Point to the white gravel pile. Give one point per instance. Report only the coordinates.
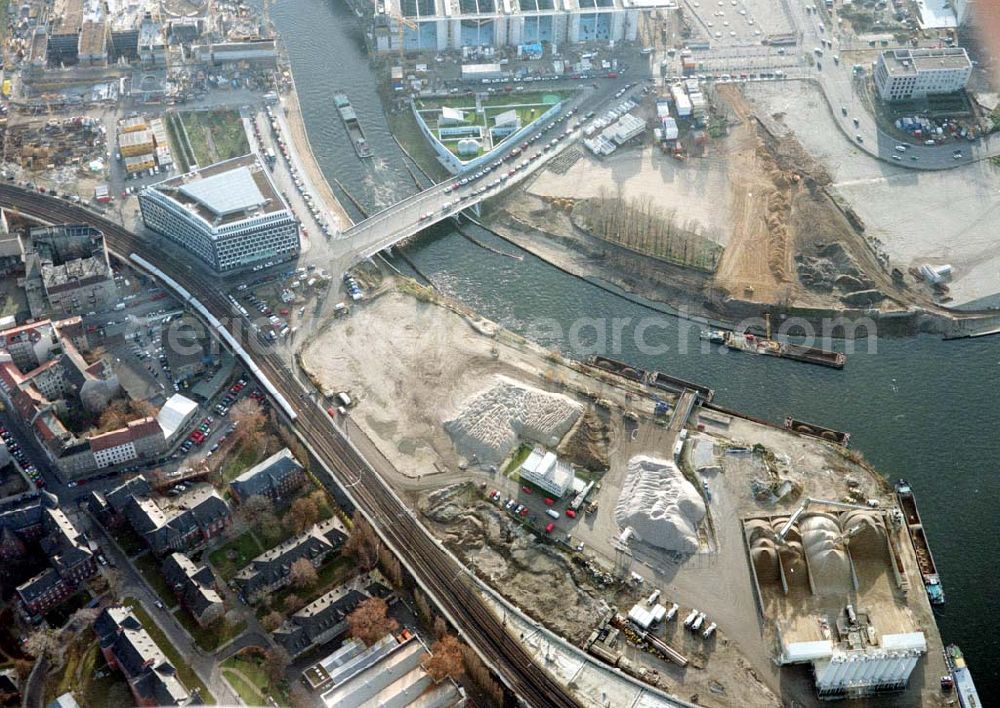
(493, 421)
(662, 507)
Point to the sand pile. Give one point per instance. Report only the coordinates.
(493, 421)
(662, 507)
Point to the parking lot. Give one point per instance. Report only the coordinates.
(738, 22)
(18, 453)
(212, 430)
(538, 509)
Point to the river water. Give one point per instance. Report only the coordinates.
(919, 408)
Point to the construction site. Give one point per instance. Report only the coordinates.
(749, 221)
(70, 152)
(668, 496)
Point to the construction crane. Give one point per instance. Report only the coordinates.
(404, 22)
(780, 536)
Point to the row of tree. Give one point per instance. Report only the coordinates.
(640, 225)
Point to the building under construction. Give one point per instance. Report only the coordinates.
(831, 580)
(439, 25)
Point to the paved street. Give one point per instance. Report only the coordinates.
(204, 664)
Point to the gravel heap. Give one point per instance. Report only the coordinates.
(493, 421)
(662, 507)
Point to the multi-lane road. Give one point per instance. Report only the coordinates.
(438, 572)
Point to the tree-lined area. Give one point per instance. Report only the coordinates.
(639, 225)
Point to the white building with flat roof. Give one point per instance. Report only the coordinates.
(229, 214)
(546, 471)
(905, 74)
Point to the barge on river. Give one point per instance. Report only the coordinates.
(928, 570)
(752, 344)
(354, 131)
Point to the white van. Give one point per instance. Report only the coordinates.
(553, 513)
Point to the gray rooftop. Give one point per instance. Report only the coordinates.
(227, 192)
(901, 62)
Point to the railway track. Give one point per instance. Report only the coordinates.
(446, 580)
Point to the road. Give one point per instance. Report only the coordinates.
(438, 573)
(133, 585)
(841, 89)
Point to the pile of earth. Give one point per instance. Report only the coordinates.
(492, 422)
(660, 505)
(832, 268)
(587, 444)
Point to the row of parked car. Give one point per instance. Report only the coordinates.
(227, 401)
(14, 448)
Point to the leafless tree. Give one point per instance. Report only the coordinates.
(248, 418)
(272, 620)
(293, 603)
(253, 510)
(362, 544)
(302, 514)
(276, 660)
(303, 574)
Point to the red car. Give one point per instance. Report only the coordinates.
(524, 511)
(549, 501)
(526, 490)
(570, 513)
(548, 529)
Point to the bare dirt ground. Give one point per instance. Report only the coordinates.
(696, 190)
(756, 264)
(756, 191)
(412, 375)
(409, 377)
(559, 592)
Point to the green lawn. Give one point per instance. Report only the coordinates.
(215, 135)
(511, 470)
(185, 673)
(331, 574)
(214, 635)
(404, 127)
(238, 464)
(149, 566)
(255, 686)
(246, 548)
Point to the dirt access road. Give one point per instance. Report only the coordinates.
(757, 263)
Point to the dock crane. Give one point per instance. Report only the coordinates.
(783, 532)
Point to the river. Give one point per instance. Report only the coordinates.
(919, 408)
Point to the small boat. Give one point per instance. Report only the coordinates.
(716, 336)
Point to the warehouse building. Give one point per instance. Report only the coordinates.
(228, 214)
(905, 74)
(440, 25)
(388, 673)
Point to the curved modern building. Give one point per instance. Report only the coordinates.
(228, 214)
